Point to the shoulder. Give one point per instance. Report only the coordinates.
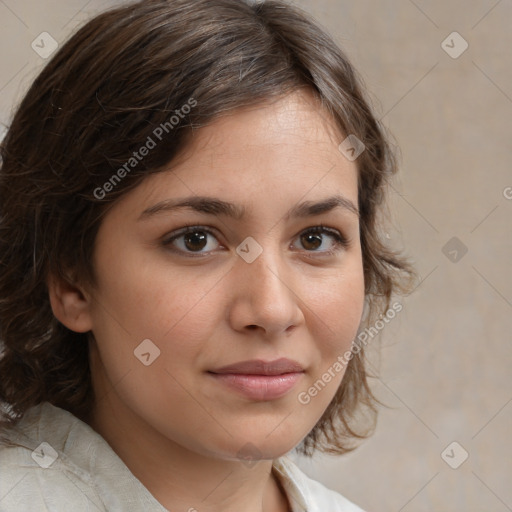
(306, 494)
(51, 460)
(36, 472)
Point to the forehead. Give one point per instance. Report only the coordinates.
(296, 119)
(289, 144)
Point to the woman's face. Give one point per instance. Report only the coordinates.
(171, 308)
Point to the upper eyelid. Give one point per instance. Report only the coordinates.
(185, 229)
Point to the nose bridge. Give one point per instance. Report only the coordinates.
(270, 264)
(264, 289)
(267, 270)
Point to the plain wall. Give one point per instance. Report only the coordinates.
(445, 360)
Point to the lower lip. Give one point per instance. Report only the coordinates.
(260, 387)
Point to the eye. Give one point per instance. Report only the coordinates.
(313, 238)
(191, 240)
(195, 240)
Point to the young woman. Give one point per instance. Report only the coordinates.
(189, 248)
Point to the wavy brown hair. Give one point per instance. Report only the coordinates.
(99, 98)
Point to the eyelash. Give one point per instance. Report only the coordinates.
(340, 241)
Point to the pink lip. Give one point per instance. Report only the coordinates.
(260, 380)
(259, 367)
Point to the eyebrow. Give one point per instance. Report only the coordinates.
(215, 206)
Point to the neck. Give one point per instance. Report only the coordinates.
(181, 478)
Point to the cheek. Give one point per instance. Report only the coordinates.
(143, 300)
(337, 310)
(339, 307)
(146, 295)
(169, 310)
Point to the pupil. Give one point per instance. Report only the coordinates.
(195, 240)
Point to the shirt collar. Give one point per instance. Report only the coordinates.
(89, 454)
(290, 479)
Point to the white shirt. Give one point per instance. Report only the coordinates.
(76, 470)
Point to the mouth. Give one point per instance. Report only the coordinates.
(259, 380)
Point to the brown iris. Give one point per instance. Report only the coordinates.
(195, 240)
(311, 238)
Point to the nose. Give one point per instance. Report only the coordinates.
(265, 295)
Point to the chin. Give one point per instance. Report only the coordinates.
(258, 446)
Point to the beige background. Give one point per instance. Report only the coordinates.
(446, 359)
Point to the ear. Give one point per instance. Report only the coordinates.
(70, 305)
